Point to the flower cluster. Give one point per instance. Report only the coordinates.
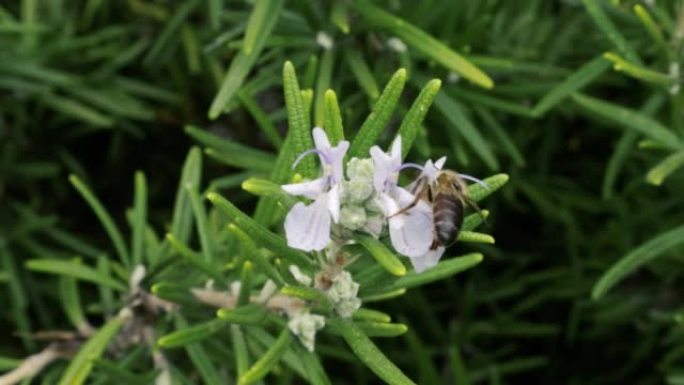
(366, 198)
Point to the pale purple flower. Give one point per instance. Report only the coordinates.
(307, 227)
(411, 232)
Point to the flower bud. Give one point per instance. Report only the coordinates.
(352, 217)
(304, 325)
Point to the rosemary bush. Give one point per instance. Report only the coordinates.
(207, 191)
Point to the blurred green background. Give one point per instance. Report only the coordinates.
(585, 115)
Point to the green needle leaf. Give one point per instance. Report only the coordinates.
(259, 233)
(195, 333)
(333, 118)
(325, 72)
(254, 254)
(609, 29)
(252, 314)
(362, 72)
(82, 364)
(622, 149)
(305, 293)
(298, 120)
(376, 122)
(630, 119)
(637, 258)
(477, 192)
(200, 359)
(258, 20)
(446, 268)
(667, 166)
(368, 353)
(194, 258)
(575, 82)
(638, 72)
(625, 146)
(71, 301)
(473, 220)
(200, 213)
(472, 236)
(260, 26)
(240, 349)
(423, 43)
(266, 188)
(416, 114)
(74, 269)
(181, 223)
(339, 15)
(651, 27)
(262, 367)
(139, 218)
(382, 255)
(245, 284)
(104, 217)
(455, 114)
(382, 329)
(364, 314)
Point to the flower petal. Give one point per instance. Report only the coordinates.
(382, 167)
(308, 227)
(395, 151)
(320, 139)
(311, 189)
(430, 171)
(411, 232)
(336, 158)
(386, 166)
(427, 260)
(334, 202)
(388, 204)
(403, 197)
(440, 162)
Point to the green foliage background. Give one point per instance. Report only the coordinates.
(585, 115)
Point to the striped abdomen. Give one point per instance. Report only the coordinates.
(447, 212)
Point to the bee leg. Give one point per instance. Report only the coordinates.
(473, 205)
(417, 185)
(424, 192)
(407, 208)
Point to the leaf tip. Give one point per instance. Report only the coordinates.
(288, 67)
(487, 83)
(399, 270)
(478, 257)
(213, 197)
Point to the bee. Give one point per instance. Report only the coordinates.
(448, 197)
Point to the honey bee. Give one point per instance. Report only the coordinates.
(448, 197)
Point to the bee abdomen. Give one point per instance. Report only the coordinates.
(447, 217)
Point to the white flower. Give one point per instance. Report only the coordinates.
(307, 227)
(411, 231)
(386, 167)
(304, 325)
